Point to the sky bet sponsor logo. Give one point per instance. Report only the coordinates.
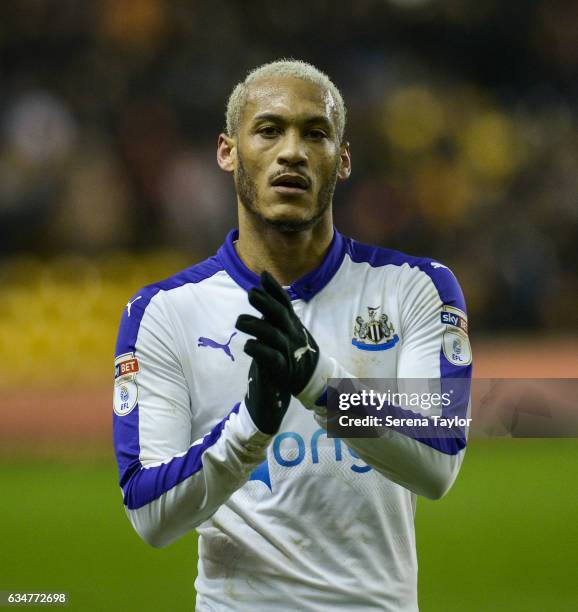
(290, 449)
(455, 317)
(127, 365)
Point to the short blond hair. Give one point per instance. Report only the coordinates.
(283, 68)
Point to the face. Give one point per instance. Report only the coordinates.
(286, 157)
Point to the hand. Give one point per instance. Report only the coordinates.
(291, 349)
(267, 398)
(268, 394)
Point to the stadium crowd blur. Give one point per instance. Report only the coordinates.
(463, 125)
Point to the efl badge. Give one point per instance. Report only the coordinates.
(375, 334)
(455, 342)
(125, 388)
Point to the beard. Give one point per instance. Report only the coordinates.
(247, 192)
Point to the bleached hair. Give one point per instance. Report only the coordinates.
(283, 68)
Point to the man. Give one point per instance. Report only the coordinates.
(221, 378)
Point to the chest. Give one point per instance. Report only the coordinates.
(359, 326)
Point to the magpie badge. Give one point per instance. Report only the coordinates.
(375, 333)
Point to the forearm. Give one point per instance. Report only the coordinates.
(412, 464)
(165, 500)
(426, 467)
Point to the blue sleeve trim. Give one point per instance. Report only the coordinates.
(450, 444)
(447, 446)
(126, 428)
(144, 485)
(450, 294)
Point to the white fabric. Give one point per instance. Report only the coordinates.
(331, 532)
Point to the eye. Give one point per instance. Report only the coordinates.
(317, 134)
(268, 131)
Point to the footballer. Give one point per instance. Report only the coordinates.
(221, 374)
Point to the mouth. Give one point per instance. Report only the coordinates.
(290, 184)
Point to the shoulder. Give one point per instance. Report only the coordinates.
(193, 275)
(412, 270)
(377, 256)
(146, 301)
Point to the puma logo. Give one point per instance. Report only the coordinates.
(129, 304)
(202, 341)
(301, 351)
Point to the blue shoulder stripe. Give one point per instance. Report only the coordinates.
(126, 428)
(450, 293)
(445, 282)
(136, 306)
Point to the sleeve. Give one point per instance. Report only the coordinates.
(172, 478)
(435, 346)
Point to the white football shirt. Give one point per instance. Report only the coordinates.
(298, 520)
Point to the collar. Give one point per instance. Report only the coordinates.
(304, 288)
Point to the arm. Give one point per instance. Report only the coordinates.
(172, 478)
(426, 466)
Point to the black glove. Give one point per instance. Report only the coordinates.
(268, 394)
(281, 333)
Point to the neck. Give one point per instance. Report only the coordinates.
(287, 256)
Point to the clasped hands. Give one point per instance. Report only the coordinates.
(284, 354)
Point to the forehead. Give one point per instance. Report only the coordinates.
(289, 97)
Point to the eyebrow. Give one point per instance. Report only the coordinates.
(280, 119)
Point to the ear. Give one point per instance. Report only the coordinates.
(344, 162)
(226, 153)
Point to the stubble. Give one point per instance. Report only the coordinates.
(247, 192)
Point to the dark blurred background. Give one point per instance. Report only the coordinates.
(463, 123)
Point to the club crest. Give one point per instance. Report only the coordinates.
(375, 333)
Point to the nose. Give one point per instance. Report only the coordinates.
(292, 150)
